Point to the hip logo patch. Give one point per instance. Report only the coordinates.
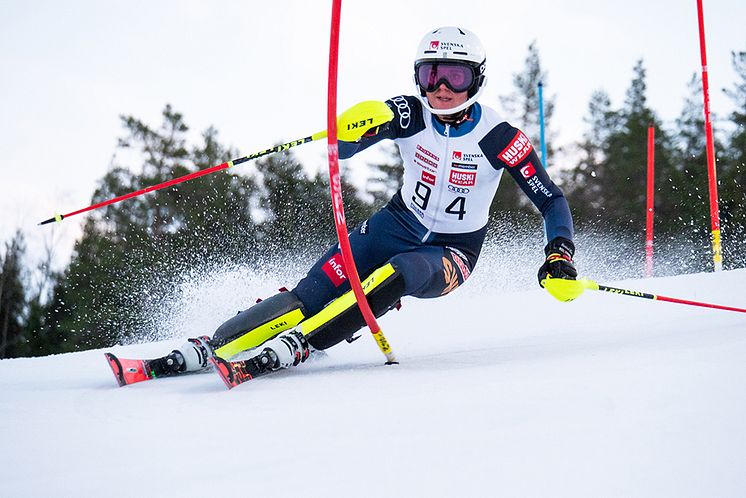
(335, 270)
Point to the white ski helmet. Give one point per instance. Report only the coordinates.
(455, 47)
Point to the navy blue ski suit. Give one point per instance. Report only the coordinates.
(433, 228)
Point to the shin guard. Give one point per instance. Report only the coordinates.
(340, 319)
(261, 322)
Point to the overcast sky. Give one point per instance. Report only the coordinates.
(257, 72)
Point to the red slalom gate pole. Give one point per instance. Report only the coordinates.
(717, 252)
(335, 182)
(650, 204)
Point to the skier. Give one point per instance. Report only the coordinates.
(426, 241)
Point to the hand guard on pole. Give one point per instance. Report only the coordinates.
(363, 119)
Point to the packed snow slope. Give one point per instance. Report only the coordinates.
(497, 394)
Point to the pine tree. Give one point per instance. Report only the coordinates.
(732, 172)
(522, 109)
(42, 337)
(295, 206)
(298, 207)
(682, 221)
(621, 178)
(386, 178)
(688, 184)
(130, 251)
(165, 154)
(583, 187)
(214, 212)
(522, 106)
(12, 298)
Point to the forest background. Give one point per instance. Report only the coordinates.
(130, 253)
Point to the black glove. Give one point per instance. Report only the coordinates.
(376, 130)
(559, 260)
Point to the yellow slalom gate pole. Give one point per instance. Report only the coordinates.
(717, 251)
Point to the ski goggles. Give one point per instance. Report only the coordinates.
(458, 77)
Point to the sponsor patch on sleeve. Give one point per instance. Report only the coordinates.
(517, 150)
(528, 171)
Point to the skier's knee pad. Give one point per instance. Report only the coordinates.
(341, 318)
(261, 322)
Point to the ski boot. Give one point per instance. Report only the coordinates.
(285, 350)
(192, 356)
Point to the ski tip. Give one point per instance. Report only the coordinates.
(116, 368)
(224, 370)
(129, 371)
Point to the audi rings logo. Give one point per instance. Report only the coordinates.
(458, 190)
(402, 107)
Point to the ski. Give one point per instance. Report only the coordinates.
(235, 373)
(130, 371)
(294, 345)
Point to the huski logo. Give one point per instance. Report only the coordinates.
(463, 178)
(517, 150)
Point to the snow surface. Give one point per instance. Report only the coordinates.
(605, 396)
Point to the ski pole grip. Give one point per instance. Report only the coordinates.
(358, 119)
